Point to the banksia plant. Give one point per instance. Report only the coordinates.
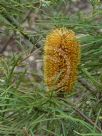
(61, 59)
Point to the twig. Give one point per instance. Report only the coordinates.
(87, 85)
(6, 44)
(83, 115)
(15, 24)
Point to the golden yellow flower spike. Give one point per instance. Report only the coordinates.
(61, 58)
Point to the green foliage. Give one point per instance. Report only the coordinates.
(26, 109)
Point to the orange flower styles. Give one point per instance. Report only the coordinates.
(61, 59)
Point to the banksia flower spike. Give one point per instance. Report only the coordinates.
(61, 58)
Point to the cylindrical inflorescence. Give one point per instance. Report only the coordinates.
(61, 59)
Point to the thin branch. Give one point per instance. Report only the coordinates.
(6, 44)
(87, 119)
(86, 84)
(15, 24)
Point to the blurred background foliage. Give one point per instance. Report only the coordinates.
(25, 107)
